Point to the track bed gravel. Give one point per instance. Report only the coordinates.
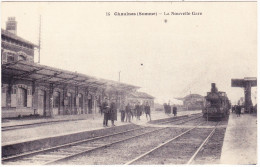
(211, 152)
(45, 156)
(178, 151)
(122, 152)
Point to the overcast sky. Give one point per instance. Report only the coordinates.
(180, 54)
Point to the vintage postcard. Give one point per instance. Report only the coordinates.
(129, 83)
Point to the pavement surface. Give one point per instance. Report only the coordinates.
(240, 141)
(77, 123)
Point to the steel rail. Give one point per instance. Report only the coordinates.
(9, 158)
(188, 119)
(159, 146)
(96, 148)
(64, 145)
(202, 144)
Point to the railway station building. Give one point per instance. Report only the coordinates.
(30, 88)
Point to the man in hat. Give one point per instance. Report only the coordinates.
(105, 110)
(174, 110)
(128, 112)
(147, 110)
(122, 110)
(138, 110)
(113, 112)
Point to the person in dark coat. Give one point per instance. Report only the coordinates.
(174, 110)
(105, 111)
(238, 110)
(138, 110)
(113, 113)
(147, 110)
(122, 110)
(133, 111)
(128, 113)
(165, 108)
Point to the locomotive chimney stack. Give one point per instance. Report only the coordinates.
(213, 87)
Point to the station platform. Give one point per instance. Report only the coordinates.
(68, 124)
(240, 141)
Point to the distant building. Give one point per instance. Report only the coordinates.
(141, 97)
(193, 102)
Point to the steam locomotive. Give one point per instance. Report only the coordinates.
(217, 104)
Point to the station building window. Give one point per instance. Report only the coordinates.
(10, 58)
(21, 57)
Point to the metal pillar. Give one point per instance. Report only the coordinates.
(246, 83)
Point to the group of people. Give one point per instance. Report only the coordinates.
(128, 112)
(167, 109)
(237, 109)
(109, 112)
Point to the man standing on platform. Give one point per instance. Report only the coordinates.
(105, 111)
(122, 110)
(113, 113)
(138, 110)
(147, 110)
(128, 112)
(174, 110)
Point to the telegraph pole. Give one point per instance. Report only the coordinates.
(39, 58)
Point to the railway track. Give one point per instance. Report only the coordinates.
(178, 150)
(181, 120)
(70, 150)
(63, 152)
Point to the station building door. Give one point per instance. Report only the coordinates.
(56, 103)
(42, 102)
(22, 97)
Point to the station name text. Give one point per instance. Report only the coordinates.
(193, 13)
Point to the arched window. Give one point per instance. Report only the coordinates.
(10, 58)
(21, 57)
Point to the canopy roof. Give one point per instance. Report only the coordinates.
(45, 74)
(141, 95)
(242, 82)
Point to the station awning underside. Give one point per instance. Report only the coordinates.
(140, 95)
(45, 74)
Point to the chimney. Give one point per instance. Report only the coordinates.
(11, 25)
(213, 87)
